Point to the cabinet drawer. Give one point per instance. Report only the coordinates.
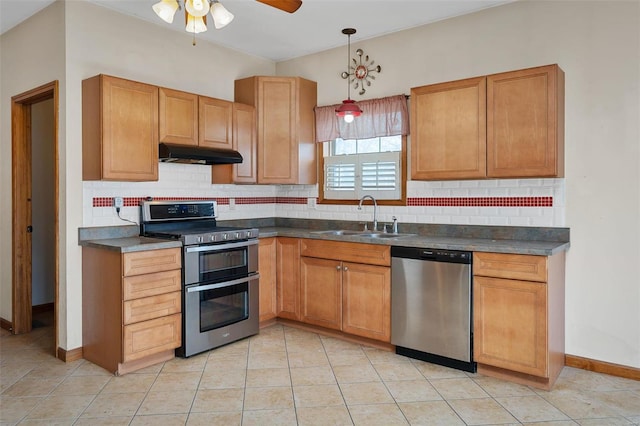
(149, 337)
(151, 307)
(146, 262)
(147, 285)
(372, 254)
(511, 266)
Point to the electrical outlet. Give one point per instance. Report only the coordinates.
(232, 203)
(118, 202)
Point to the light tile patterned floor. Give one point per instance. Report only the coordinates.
(286, 376)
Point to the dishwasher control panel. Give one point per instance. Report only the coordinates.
(436, 255)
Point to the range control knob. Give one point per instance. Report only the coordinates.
(199, 239)
(213, 238)
(237, 235)
(225, 236)
(248, 234)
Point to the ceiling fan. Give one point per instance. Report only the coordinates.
(285, 5)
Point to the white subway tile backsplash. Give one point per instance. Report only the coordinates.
(180, 180)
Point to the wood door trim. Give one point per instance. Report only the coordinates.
(20, 139)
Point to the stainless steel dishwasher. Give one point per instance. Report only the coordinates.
(431, 306)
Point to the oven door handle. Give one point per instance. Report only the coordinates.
(222, 285)
(218, 247)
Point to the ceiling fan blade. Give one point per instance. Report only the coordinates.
(286, 5)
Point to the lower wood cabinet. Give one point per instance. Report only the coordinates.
(366, 301)
(321, 292)
(131, 307)
(339, 292)
(288, 277)
(267, 267)
(519, 316)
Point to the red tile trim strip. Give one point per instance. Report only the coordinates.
(481, 201)
(417, 201)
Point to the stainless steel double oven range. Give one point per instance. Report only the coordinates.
(219, 272)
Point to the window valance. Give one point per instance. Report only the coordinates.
(380, 117)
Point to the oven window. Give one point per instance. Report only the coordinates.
(226, 264)
(223, 306)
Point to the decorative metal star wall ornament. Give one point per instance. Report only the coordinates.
(360, 72)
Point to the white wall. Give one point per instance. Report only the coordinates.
(43, 241)
(31, 54)
(597, 46)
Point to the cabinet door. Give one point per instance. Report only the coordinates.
(128, 143)
(448, 130)
(288, 277)
(178, 118)
(366, 301)
(321, 292)
(510, 325)
(244, 141)
(267, 266)
(215, 123)
(525, 123)
(277, 153)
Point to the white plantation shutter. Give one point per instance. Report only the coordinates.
(352, 176)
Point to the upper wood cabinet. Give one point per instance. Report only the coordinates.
(178, 118)
(285, 127)
(190, 119)
(505, 125)
(525, 123)
(448, 130)
(119, 130)
(243, 141)
(215, 123)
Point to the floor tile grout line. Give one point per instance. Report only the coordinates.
(324, 348)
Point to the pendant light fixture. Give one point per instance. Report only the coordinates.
(348, 110)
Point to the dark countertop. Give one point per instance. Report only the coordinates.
(515, 240)
(542, 248)
(131, 244)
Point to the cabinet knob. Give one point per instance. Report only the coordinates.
(338, 268)
(345, 268)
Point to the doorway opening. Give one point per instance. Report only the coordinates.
(35, 209)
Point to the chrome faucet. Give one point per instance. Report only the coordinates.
(375, 207)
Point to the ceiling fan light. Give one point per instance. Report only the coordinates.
(221, 16)
(195, 24)
(197, 8)
(166, 10)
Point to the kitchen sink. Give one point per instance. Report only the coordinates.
(339, 232)
(364, 234)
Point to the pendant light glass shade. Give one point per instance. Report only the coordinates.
(166, 10)
(221, 16)
(197, 8)
(195, 25)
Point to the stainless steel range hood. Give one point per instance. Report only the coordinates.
(172, 153)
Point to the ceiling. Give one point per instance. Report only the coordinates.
(266, 32)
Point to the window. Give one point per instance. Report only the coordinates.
(355, 167)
